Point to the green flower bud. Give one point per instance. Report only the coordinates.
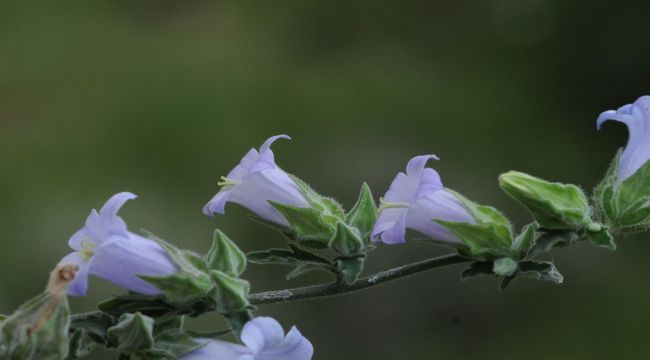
(554, 206)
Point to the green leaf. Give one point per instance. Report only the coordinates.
(307, 223)
(477, 268)
(80, 345)
(292, 256)
(181, 288)
(555, 206)
(346, 240)
(172, 345)
(364, 213)
(303, 260)
(550, 239)
(132, 334)
(231, 295)
(304, 268)
(540, 270)
(225, 256)
(152, 305)
(350, 268)
(504, 267)
(95, 325)
(38, 329)
(210, 334)
(602, 238)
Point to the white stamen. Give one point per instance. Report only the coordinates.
(383, 205)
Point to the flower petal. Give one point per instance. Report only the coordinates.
(636, 117)
(440, 205)
(258, 188)
(418, 163)
(78, 286)
(267, 159)
(265, 338)
(217, 205)
(262, 333)
(115, 203)
(391, 226)
(293, 347)
(217, 349)
(120, 261)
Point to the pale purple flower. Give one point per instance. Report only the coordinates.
(105, 248)
(637, 118)
(413, 201)
(255, 181)
(263, 339)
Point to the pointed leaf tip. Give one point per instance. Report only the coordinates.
(225, 255)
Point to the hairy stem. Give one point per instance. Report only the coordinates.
(335, 289)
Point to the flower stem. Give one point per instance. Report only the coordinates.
(337, 288)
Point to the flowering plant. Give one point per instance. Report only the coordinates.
(165, 284)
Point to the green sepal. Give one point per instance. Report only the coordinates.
(225, 256)
(2, 317)
(347, 240)
(132, 334)
(190, 283)
(328, 206)
(286, 232)
(237, 319)
(625, 206)
(483, 241)
(231, 293)
(504, 266)
(350, 268)
(477, 268)
(364, 213)
(606, 207)
(186, 261)
(525, 240)
(38, 329)
(554, 206)
(601, 237)
(489, 238)
(182, 288)
(633, 200)
(307, 223)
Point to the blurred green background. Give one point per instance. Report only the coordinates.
(162, 97)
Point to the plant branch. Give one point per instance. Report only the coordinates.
(337, 288)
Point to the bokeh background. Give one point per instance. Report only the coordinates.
(162, 97)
